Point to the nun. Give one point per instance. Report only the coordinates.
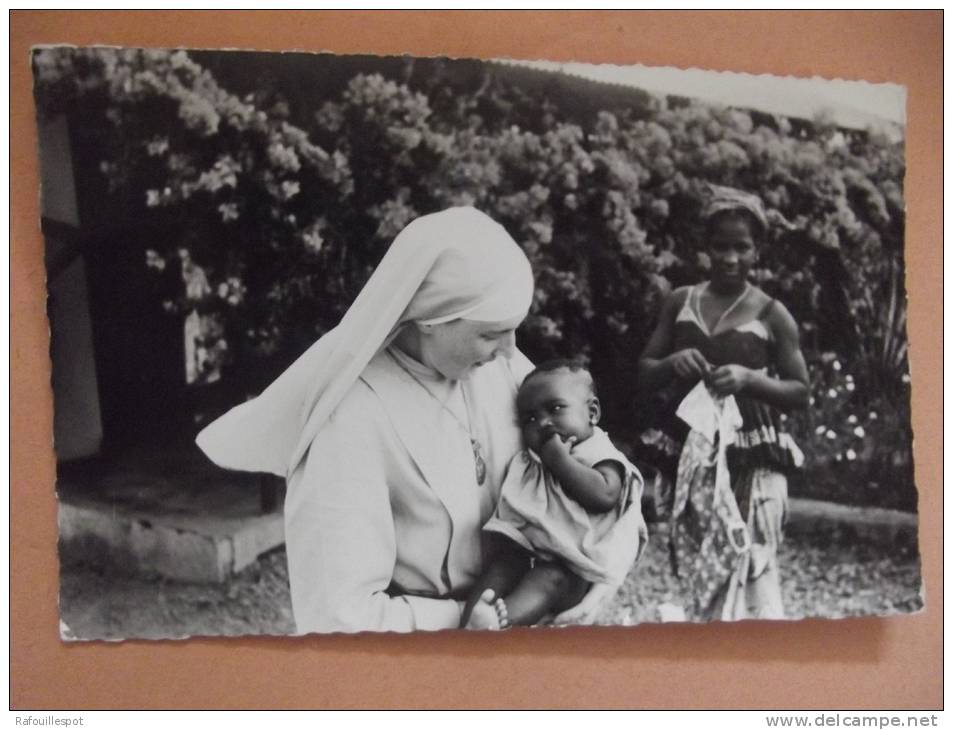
(393, 432)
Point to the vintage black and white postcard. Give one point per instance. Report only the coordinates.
(471, 344)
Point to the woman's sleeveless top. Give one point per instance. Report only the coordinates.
(761, 442)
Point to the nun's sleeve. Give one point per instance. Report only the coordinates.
(341, 540)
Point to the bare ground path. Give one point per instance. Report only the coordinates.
(821, 578)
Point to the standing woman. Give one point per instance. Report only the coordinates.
(742, 343)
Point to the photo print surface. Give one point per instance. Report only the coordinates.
(716, 302)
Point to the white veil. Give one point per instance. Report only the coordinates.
(456, 264)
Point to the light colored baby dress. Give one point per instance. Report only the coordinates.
(536, 513)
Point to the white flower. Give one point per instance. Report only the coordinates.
(157, 146)
(152, 198)
(820, 429)
(836, 365)
(849, 377)
(196, 282)
(229, 211)
(830, 434)
(223, 290)
(839, 457)
(852, 419)
(283, 157)
(312, 238)
(832, 393)
(179, 59)
(905, 378)
(872, 416)
(543, 231)
(289, 188)
(851, 454)
(859, 432)
(154, 260)
(811, 401)
(850, 386)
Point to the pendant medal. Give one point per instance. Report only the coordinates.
(478, 461)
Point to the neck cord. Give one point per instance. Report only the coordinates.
(478, 460)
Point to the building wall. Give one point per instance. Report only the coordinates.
(77, 420)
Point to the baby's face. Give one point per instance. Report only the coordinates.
(559, 402)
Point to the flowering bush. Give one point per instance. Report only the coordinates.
(858, 440)
(236, 179)
(284, 223)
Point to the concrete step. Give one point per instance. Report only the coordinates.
(140, 523)
(187, 547)
(842, 522)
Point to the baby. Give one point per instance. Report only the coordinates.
(558, 525)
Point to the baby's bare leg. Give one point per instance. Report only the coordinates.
(508, 564)
(548, 587)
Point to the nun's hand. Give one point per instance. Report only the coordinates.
(587, 610)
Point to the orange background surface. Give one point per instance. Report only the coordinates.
(853, 663)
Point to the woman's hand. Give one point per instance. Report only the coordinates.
(587, 610)
(689, 364)
(729, 379)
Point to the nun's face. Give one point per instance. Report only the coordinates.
(454, 349)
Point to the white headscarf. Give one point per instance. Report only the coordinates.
(722, 199)
(456, 264)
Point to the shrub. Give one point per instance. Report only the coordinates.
(284, 223)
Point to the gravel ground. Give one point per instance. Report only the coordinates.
(820, 579)
(860, 578)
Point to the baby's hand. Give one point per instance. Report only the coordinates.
(553, 446)
(483, 616)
